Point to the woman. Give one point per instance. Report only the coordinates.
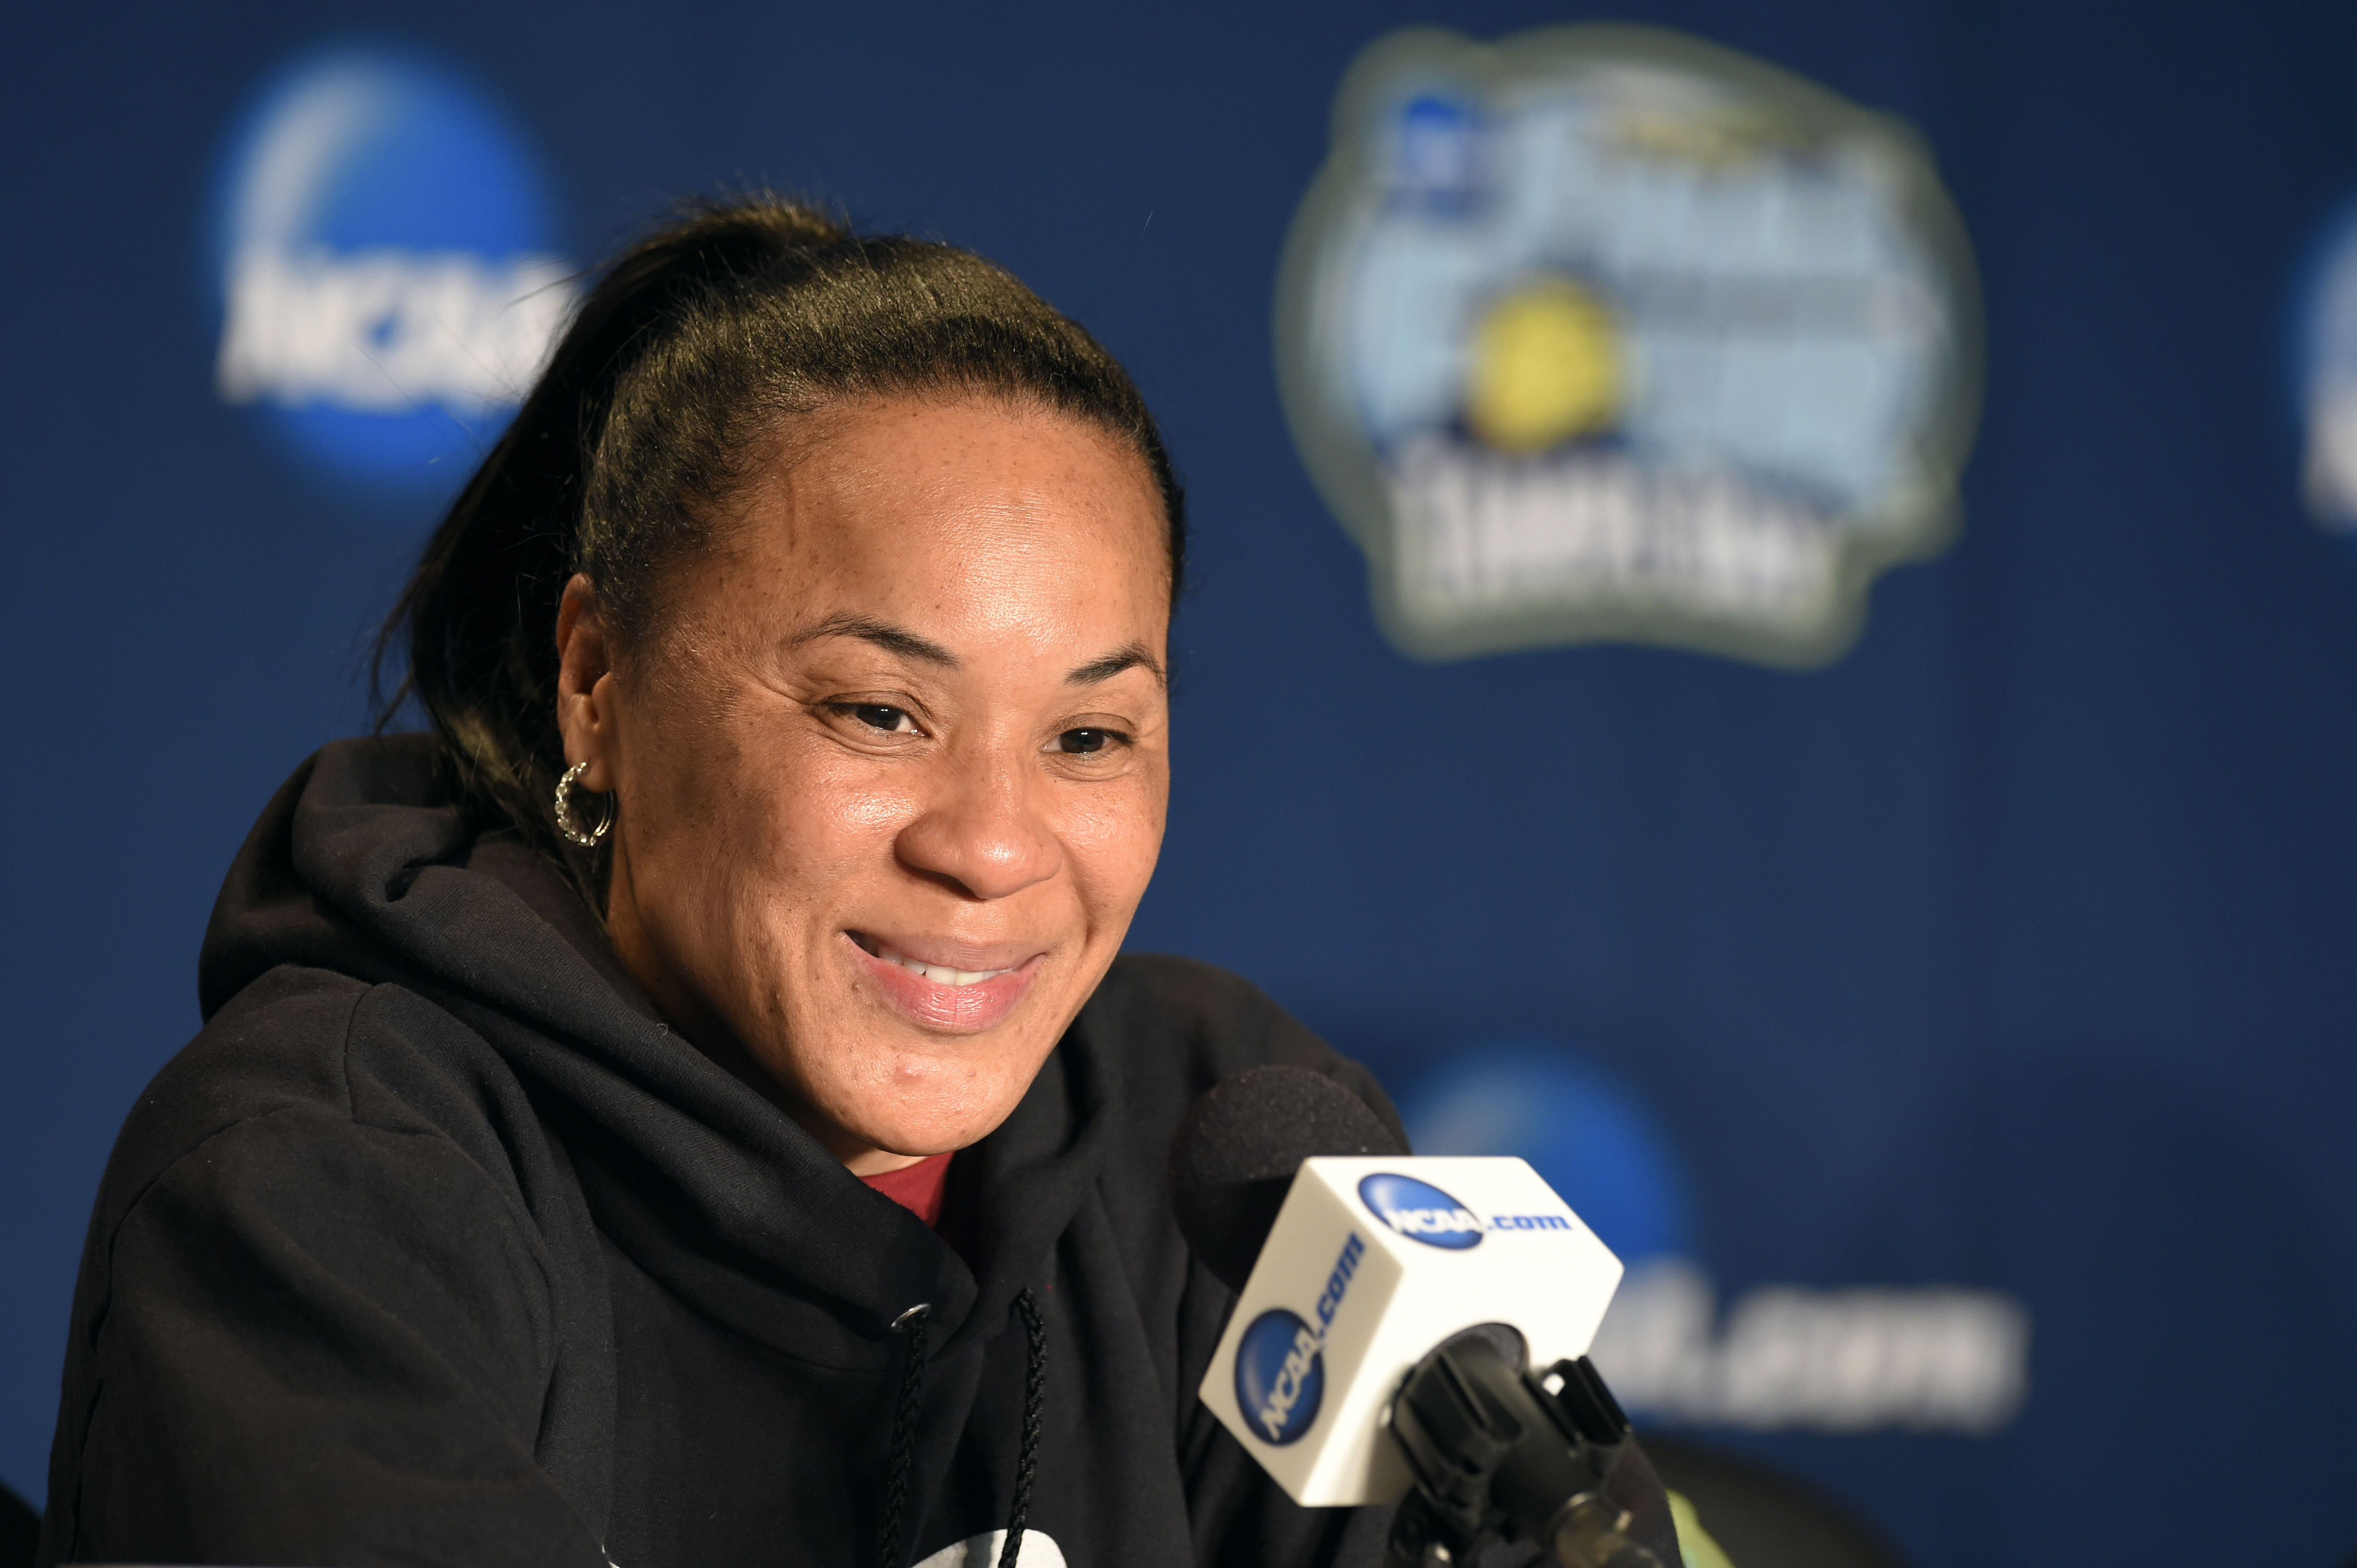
(687, 1108)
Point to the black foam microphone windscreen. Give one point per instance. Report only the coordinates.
(1239, 1146)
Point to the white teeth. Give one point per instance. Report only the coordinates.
(939, 974)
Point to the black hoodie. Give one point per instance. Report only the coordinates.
(436, 1246)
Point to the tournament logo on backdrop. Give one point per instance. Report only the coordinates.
(1608, 333)
(387, 269)
(2324, 350)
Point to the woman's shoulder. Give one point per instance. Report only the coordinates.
(327, 1060)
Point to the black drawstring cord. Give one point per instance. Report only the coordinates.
(904, 1428)
(904, 1431)
(1026, 1463)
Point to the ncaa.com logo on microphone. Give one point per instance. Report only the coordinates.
(383, 247)
(1280, 1360)
(1422, 1212)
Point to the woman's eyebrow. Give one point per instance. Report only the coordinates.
(884, 635)
(1124, 657)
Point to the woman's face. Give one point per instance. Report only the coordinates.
(891, 771)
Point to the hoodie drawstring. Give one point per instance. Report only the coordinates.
(1034, 1387)
(904, 1431)
(904, 1428)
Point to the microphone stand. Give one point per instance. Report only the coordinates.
(1501, 1452)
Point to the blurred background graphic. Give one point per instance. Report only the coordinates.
(1775, 625)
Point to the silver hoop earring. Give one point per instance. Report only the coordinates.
(566, 821)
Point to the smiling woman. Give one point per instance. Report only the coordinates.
(938, 754)
(689, 1106)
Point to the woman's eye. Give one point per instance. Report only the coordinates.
(1085, 742)
(878, 716)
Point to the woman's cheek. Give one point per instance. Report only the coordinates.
(836, 804)
(1115, 843)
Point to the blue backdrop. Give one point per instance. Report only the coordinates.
(2015, 950)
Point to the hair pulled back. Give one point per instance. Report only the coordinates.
(688, 355)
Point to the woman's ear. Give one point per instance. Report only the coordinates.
(584, 684)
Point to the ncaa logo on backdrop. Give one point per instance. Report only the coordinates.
(2324, 371)
(386, 267)
(1608, 333)
(1775, 1356)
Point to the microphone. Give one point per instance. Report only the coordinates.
(1389, 1310)
(1239, 1146)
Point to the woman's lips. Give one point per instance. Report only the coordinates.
(939, 996)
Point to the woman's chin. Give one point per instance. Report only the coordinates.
(922, 1135)
(933, 1099)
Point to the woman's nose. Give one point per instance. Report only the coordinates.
(982, 833)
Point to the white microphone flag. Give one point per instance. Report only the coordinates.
(1371, 1263)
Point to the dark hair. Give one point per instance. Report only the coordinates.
(693, 349)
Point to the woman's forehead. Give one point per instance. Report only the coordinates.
(971, 478)
(958, 522)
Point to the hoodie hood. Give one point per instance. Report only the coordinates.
(364, 865)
